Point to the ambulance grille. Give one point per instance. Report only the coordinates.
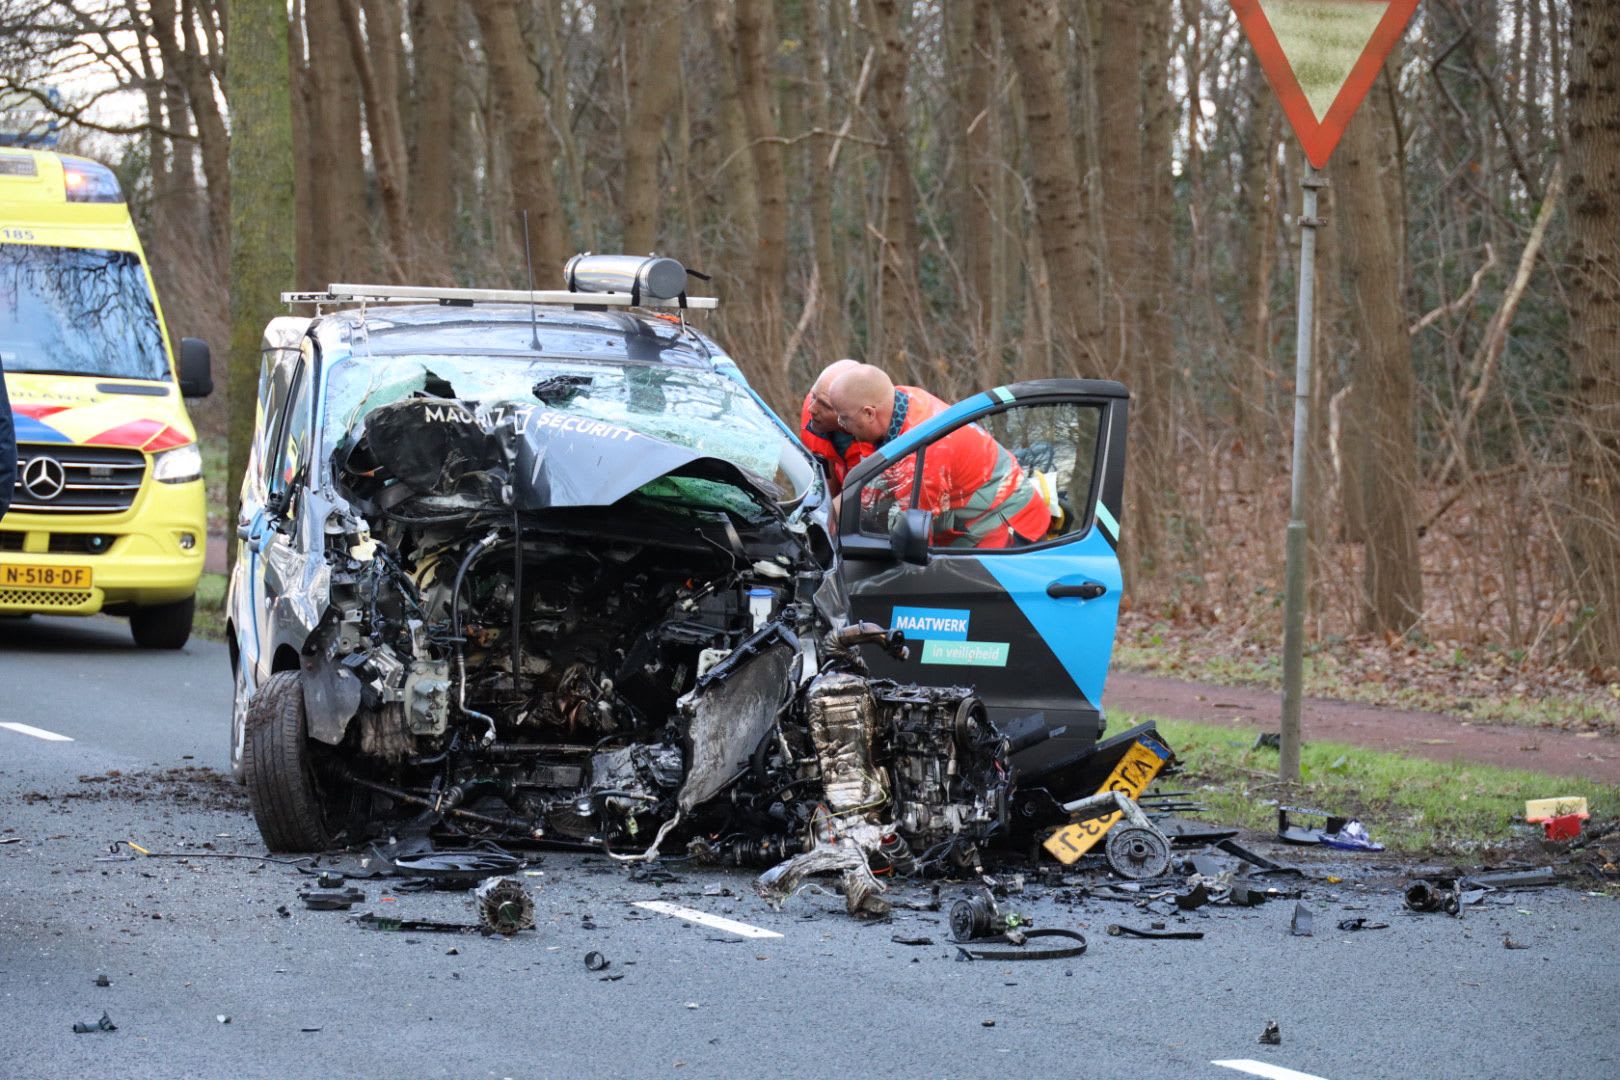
(44, 598)
(58, 479)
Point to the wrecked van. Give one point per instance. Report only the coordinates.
(543, 567)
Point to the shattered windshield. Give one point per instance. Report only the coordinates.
(698, 410)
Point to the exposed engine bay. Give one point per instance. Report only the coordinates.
(671, 669)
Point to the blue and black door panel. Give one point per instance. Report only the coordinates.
(1030, 628)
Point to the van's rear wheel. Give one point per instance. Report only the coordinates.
(279, 768)
(166, 626)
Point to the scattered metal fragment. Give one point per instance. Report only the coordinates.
(102, 980)
(1272, 1035)
(987, 1023)
(1300, 924)
(977, 916)
(104, 1024)
(1246, 896)
(1120, 930)
(458, 869)
(1512, 879)
(330, 879)
(331, 899)
(1427, 896)
(505, 906)
(1265, 865)
(1361, 922)
(1018, 938)
(1194, 898)
(10, 840)
(372, 921)
(901, 939)
(595, 961)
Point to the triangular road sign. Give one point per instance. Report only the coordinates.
(1321, 57)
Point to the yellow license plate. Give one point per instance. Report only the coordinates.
(1142, 762)
(35, 576)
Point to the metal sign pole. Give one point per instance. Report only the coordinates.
(1294, 588)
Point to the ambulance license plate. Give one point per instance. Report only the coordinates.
(1135, 771)
(34, 576)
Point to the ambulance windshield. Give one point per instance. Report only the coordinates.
(78, 311)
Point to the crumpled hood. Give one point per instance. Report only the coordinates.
(564, 460)
(92, 411)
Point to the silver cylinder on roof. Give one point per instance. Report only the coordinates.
(651, 277)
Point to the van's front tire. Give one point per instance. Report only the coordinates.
(166, 626)
(279, 770)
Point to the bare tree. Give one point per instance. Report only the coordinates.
(1031, 29)
(1593, 525)
(261, 160)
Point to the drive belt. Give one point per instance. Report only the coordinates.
(1018, 953)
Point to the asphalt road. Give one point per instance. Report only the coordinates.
(187, 941)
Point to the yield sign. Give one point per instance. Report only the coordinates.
(1321, 57)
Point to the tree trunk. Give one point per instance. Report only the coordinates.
(734, 171)
(432, 199)
(309, 266)
(1119, 128)
(754, 90)
(379, 89)
(1072, 279)
(342, 225)
(1154, 367)
(1257, 215)
(1592, 531)
(652, 38)
(971, 39)
(261, 245)
(177, 44)
(889, 345)
(531, 151)
(832, 335)
(1385, 387)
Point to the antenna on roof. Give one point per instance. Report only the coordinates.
(528, 259)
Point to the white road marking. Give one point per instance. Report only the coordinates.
(38, 733)
(703, 918)
(1261, 1068)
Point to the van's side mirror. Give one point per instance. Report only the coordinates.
(196, 368)
(909, 536)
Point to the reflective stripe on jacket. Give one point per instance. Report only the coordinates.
(980, 495)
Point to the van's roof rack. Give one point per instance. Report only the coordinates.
(400, 294)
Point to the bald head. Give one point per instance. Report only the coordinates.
(822, 414)
(863, 401)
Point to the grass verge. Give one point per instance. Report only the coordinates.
(1413, 806)
(209, 621)
(1328, 676)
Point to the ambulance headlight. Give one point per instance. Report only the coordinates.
(178, 466)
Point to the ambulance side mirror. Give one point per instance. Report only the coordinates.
(196, 368)
(909, 536)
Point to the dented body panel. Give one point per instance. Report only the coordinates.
(586, 595)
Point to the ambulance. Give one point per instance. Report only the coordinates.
(109, 513)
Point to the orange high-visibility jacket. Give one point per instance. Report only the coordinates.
(839, 452)
(978, 492)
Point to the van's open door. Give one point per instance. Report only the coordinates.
(1031, 627)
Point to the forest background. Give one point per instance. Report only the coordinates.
(969, 192)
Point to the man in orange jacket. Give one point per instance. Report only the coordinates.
(838, 450)
(980, 495)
